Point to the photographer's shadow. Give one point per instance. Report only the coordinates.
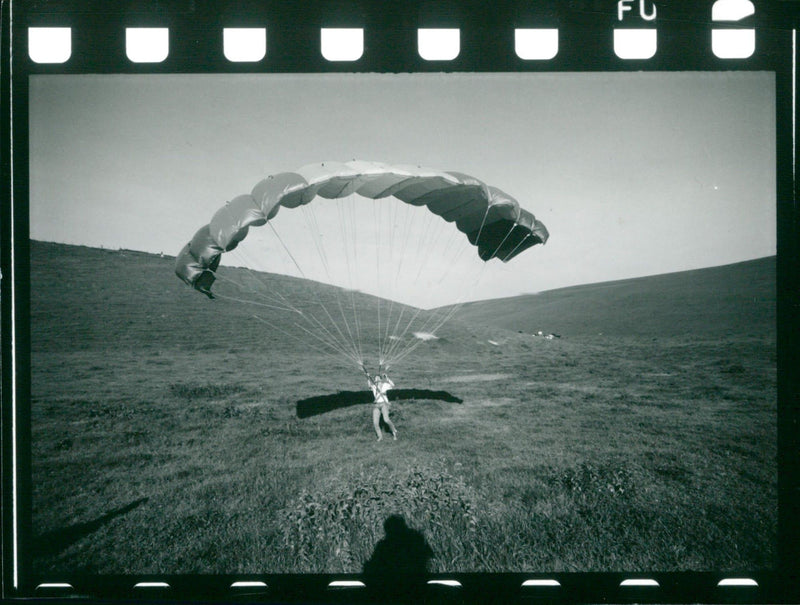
(398, 567)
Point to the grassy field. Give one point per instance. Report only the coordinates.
(166, 439)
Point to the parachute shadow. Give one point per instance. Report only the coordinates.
(53, 542)
(321, 404)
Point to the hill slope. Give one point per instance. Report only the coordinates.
(86, 298)
(738, 298)
(94, 298)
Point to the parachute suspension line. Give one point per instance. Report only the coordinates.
(249, 302)
(432, 318)
(295, 337)
(398, 343)
(483, 222)
(351, 219)
(425, 237)
(312, 224)
(447, 317)
(401, 353)
(348, 225)
(394, 240)
(278, 296)
(313, 227)
(312, 320)
(522, 241)
(455, 236)
(291, 307)
(500, 245)
(391, 222)
(410, 212)
(253, 291)
(261, 292)
(378, 275)
(450, 265)
(410, 349)
(345, 341)
(271, 226)
(332, 344)
(344, 237)
(350, 342)
(424, 244)
(315, 322)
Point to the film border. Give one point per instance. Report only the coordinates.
(195, 27)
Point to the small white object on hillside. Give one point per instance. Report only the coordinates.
(425, 336)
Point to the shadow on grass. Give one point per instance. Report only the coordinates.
(327, 403)
(53, 542)
(398, 567)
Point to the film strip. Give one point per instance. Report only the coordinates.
(136, 42)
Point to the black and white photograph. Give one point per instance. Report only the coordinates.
(347, 323)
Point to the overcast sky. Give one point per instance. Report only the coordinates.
(633, 173)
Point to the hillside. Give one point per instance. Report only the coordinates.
(86, 298)
(737, 298)
(95, 298)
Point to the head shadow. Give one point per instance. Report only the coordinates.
(399, 564)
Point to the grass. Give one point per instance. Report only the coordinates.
(157, 452)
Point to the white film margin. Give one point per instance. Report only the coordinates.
(244, 44)
(448, 583)
(438, 44)
(732, 43)
(151, 585)
(639, 582)
(346, 584)
(341, 43)
(635, 43)
(147, 44)
(737, 582)
(536, 44)
(539, 582)
(49, 44)
(248, 584)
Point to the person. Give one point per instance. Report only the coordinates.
(380, 383)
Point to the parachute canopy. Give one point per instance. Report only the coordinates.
(491, 220)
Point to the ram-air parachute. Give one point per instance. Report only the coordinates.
(376, 205)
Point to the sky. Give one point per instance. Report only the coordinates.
(634, 174)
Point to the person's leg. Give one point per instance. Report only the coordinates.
(376, 422)
(389, 423)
